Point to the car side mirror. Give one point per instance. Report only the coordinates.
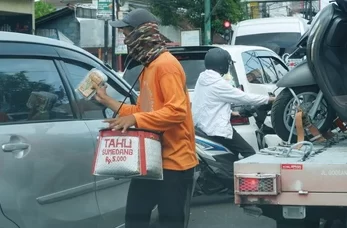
(108, 113)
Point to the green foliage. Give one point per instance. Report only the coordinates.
(171, 12)
(17, 88)
(43, 8)
(228, 10)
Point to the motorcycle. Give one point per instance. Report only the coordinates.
(326, 55)
(300, 89)
(215, 171)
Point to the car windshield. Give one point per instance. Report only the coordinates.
(193, 65)
(280, 43)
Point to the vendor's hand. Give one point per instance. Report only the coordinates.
(101, 95)
(121, 123)
(235, 114)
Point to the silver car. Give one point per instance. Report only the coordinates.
(48, 135)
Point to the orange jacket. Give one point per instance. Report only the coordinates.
(164, 105)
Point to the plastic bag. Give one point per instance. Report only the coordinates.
(85, 88)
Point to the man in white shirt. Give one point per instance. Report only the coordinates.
(213, 97)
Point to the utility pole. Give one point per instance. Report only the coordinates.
(306, 10)
(264, 10)
(113, 35)
(311, 10)
(119, 56)
(207, 20)
(106, 41)
(247, 10)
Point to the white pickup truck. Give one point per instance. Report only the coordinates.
(298, 188)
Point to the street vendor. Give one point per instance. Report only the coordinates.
(163, 105)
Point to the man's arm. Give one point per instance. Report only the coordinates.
(229, 94)
(175, 105)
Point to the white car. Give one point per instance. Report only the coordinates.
(264, 65)
(280, 34)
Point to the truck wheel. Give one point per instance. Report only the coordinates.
(282, 112)
(297, 224)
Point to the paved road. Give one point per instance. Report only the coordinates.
(220, 212)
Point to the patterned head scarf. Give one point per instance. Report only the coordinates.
(144, 43)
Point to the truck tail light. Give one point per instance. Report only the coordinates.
(257, 184)
(249, 184)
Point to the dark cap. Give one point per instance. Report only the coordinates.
(135, 18)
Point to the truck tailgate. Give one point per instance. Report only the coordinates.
(279, 176)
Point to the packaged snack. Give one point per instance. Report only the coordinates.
(85, 88)
(41, 101)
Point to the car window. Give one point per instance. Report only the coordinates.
(269, 70)
(253, 68)
(131, 74)
(193, 64)
(91, 109)
(280, 43)
(192, 68)
(281, 70)
(32, 90)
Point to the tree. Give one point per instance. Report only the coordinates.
(43, 8)
(171, 12)
(16, 89)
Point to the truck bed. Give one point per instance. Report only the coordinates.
(334, 154)
(320, 179)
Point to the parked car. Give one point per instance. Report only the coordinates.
(256, 69)
(46, 156)
(280, 34)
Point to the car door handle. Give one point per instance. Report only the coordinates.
(10, 147)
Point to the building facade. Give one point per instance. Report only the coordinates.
(17, 16)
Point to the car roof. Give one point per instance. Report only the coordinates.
(204, 48)
(270, 20)
(33, 39)
(232, 49)
(236, 49)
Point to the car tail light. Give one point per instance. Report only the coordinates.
(257, 184)
(291, 64)
(239, 121)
